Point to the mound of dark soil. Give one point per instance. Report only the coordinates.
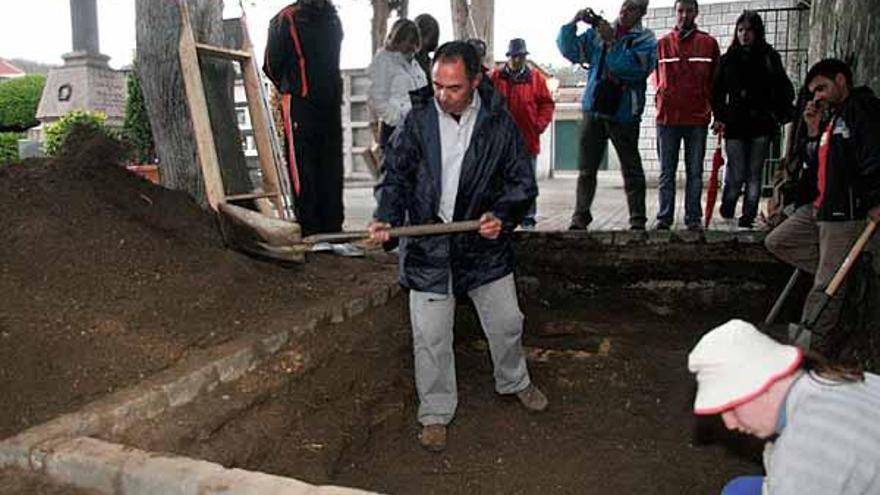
(106, 278)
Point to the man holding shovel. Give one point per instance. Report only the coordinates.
(458, 156)
(839, 187)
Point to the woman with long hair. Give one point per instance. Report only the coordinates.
(752, 96)
(394, 73)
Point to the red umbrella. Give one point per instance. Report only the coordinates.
(712, 192)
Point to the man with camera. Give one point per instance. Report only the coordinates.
(687, 60)
(621, 56)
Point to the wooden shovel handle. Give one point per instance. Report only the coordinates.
(405, 231)
(851, 258)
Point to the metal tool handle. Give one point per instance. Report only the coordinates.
(777, 307)
(405, 231)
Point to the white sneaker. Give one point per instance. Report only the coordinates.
(727, 224)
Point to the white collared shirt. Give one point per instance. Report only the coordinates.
(455, 137)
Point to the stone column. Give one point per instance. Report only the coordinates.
(84, 20)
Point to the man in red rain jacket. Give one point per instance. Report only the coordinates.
(529, 102)
(686, 62)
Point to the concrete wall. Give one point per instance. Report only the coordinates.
(850, 30)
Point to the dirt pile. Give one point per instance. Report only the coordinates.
(106, 279)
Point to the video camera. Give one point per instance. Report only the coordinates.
(590, 16)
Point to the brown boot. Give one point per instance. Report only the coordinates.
(433, 437)
(532, 398)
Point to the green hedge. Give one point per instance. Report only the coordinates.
(19, 98)
(9, 146)
(56, 133)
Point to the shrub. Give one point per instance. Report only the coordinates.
(56, 133)
(136, 126)
(19, 98)
(9, 146)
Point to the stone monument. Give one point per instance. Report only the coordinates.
(85, 81)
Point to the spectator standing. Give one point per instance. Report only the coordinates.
(529, 102)
(430, 36)
(687, 59)
(394, 73)
(824, 418)
(752, 97)
(621, 56)
(458, 156)
(302, 61)
(838, 188)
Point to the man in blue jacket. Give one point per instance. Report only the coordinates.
(621, 55)
(458, 156)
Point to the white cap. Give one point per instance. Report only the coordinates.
(735, 363)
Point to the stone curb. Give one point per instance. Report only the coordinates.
(114, 469)
(175, 387)
(652, 237)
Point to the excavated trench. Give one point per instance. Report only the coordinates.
(609, 323)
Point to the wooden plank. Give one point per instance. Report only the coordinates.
(198, 109)
(221, 52)
(260, 124)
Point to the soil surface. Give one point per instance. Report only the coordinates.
(107, 279)
(613, 366)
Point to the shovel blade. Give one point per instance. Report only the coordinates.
(800, 336)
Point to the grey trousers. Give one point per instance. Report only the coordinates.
(433, 315)
(595, 134)
(817, 248)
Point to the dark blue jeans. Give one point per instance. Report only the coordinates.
(533, 209)
(745, 162)
(668, 143)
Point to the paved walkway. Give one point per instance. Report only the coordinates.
(555, 204)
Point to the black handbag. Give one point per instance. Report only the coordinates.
(608, 92)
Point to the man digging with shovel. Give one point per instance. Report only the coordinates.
(458, 156)
(839, 188)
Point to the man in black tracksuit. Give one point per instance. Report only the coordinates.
(838, 188)
(302, 61)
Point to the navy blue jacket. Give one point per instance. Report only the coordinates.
(496, 176)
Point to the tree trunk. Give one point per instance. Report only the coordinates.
(475, 19)
(158, 33)
(381, 12)
(844, 30)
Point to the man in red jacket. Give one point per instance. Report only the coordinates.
(686, 63)
(529, 102)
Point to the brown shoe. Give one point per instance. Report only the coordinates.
(532, 398)
(433, 437)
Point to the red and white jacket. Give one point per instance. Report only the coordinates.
(528, 100)
(685, 70)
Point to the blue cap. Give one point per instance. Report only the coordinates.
(517, 46)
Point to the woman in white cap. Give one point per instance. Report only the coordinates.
(826, 420)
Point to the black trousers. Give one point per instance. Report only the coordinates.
(317, 144)
(595, 134)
